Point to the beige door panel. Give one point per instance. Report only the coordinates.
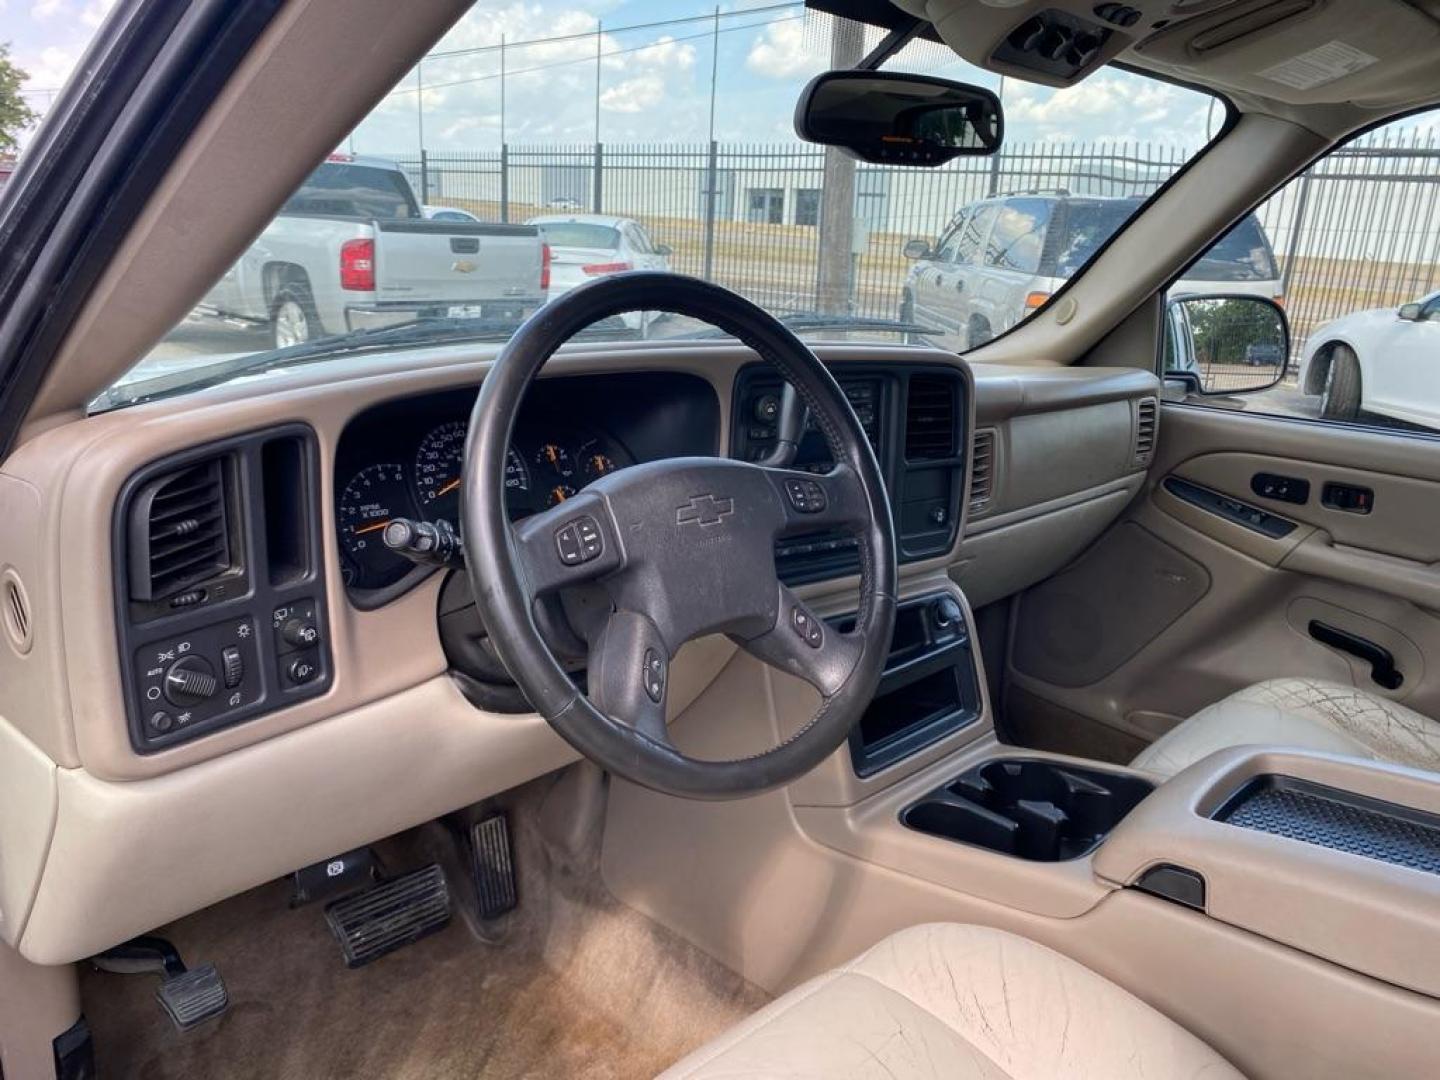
(1372, 575)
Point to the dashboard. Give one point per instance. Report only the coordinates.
(404, 459)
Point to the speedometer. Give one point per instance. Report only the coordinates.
(439, 464)
(437, 471)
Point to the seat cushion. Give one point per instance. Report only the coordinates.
(1307, 713)
(960, 1002)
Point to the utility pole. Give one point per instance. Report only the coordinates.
(712, 175)
(835, 277)
(420, 102)
(714, 68)
(599, 37)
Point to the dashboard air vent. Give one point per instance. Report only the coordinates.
(1147, 418)
(16, 614)
(930, 418)
(179, 531)
(982, 470)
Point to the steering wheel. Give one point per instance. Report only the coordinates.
(681, 548)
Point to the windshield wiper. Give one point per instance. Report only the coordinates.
(802, 321)
(422, 331)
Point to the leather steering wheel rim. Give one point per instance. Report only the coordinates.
(675, 544)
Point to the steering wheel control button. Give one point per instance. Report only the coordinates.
(579, 541)
(806, 496)
(807, 627)
(654, 675)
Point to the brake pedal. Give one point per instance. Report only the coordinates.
(390, 915)
(492, 866)
(189, 996)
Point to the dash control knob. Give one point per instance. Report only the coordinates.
(190, 681)
(299, 633)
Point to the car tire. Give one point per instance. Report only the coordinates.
(1340, 398)
(980, 333)
(293, 318)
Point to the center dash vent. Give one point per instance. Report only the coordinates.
(1147, 418)
(179, 531)
(982, 470)
(930, 418)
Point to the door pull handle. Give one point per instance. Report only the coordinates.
(1380, 659)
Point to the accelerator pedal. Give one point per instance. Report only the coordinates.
(492, 864)
(390, 915)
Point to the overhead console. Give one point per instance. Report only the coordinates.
(219, 589)
(917, 418)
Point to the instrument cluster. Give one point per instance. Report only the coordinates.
(543, 467)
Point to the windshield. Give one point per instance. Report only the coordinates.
(663, 140)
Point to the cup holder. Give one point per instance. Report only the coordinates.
(1039, 810)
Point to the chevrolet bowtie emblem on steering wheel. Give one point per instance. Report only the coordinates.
(704, 510)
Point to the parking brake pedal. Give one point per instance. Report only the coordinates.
(392, 914)
(189, 996)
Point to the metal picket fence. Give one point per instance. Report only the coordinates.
(1360, 229)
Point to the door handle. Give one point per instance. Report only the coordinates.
(1380, 659)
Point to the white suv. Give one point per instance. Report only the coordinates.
(1001, 258)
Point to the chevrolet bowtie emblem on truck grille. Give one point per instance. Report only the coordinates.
(463, 266)
(704, 510)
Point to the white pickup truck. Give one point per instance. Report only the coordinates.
(353, 249)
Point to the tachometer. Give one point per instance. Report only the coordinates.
(373, 497)
(437, 471)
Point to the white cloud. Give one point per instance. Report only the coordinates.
(634, 95)
(46, 9)
(778, 52)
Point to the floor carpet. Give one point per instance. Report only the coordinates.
(573, 984)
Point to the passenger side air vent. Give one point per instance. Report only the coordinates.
(930, 418)
(982, 471)
(1147, 419)
(179, 531)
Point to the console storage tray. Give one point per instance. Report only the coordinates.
(1044, 811)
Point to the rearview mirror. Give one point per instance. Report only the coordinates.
(1226, 344)
(893, 118)
(916, 249)
(1409, 312)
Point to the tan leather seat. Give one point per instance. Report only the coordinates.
(961, 1002)
(1306, 713)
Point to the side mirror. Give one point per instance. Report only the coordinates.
(1226, 344)
(894, 118)
(916, 249)
(1409, 312)
(664, 249)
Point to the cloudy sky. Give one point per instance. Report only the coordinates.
(654, 79)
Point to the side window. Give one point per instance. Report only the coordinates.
(1348, 250)
(1018, 236)
(973, 233)
(950, 243)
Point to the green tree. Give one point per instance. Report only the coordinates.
(15, 115)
